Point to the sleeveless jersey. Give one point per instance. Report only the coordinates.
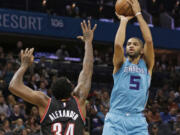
(62, 118)
(130, 91)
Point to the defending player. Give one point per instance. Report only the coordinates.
(63, 114)
(132, 76)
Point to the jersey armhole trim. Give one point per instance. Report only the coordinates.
(82, 116)
(46, 110)
(115, 74)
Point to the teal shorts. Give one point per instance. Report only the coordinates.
(125, 124)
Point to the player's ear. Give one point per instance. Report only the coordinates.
(142, 51)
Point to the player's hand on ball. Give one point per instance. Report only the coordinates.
(121, 17)
(27, 57)
(135, 6)
(88, 33)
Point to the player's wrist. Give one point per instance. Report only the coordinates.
(138, 13)
(124, 20)
(88, 41)
(24, 65)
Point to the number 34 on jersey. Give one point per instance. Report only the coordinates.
(57, 129)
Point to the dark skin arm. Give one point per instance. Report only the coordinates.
(82, 89)
(18, 88)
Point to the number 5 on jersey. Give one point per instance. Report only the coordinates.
(134, 82)
(57, 129)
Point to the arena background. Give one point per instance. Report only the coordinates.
(51, 27)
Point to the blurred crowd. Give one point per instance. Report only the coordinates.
(102, 9)
(18, 117)
(172, 7)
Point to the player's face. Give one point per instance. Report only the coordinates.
(134, 48)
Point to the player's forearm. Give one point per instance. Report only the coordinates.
(121, 34)
(84, 81)
(144, 29)
(17, 80)
(88, 58)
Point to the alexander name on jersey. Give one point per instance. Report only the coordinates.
(135, 69)
(63, 114)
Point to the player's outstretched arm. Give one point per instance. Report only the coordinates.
(118, 57)
(148, 48)
(84, 82)
(17, 86)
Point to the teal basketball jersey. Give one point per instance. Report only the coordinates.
(130, 91)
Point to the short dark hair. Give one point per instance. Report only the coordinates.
(140, 41)
(61, 88)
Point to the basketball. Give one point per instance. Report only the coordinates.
(122, 7)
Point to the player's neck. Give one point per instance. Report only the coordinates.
(66, 99)
(134, 60)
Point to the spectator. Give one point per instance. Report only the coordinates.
(62, 51)
(176, 126)
(42, 63)
(160, 95)
(43, 88)
(3, 106)
(176, 13)
(172, 95)
(173, 113)
(32, 82)
(96, 123)
(153, 8)
(24, 132)
(172, 104)
(153, 116)
(19, 47)
(19, 126)
(177, 96)
(8, 72)
(16, 114)
(102, 113)
(2, 117)
(11, 102)
(2, 59)
(31, 124)
(35, 114)
(161, 129)
(97, 58)
(105, 99)
(6, 127)
(154, 130)
(2, 132)
(165, 116)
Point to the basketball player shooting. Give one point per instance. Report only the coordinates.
(65, 112)
(132, 76)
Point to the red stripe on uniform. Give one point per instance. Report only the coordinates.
(77, 101)
(47, 107)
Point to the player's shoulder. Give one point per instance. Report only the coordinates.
(40, 93)
(118, 70)
(43, 98)
(142, 61)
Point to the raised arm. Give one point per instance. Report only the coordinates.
(17, 86)
(148, 48)
(81, 91)
(118, 57)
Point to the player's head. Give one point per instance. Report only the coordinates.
(134, 47)
(62, 88)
